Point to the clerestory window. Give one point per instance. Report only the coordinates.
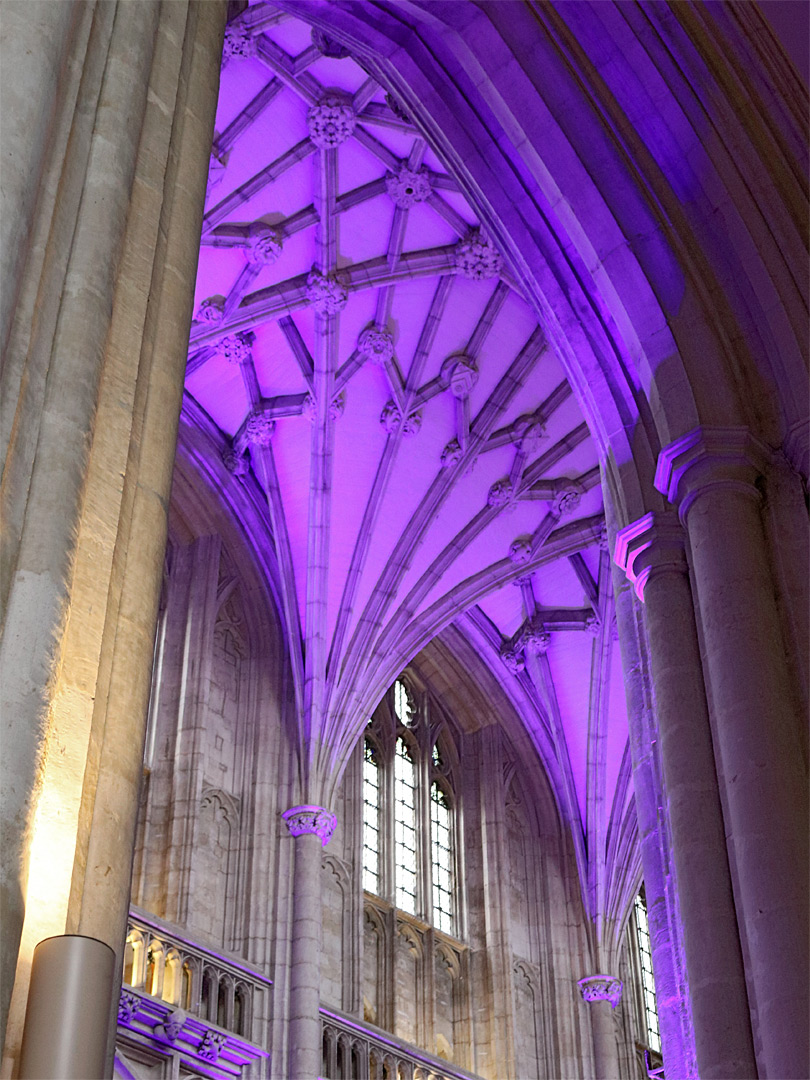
(647, 981)
(409, 814)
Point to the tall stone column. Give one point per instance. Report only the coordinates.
(88, 472)
(663, 912)
(603, 993)
(651, 551)
(312, 828)
(711, 475)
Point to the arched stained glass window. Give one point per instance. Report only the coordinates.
(441, 851)
(371, 818)
(404, 828)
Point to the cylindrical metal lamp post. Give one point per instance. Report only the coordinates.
(67, 1019)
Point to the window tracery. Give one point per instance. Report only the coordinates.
(409, 811)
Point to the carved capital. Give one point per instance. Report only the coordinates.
(536, 639)
(392, 420)
(601, 988)
(461, 374)
(513, 659)
(235, 462)
(211, 1045)
(708, 459)
(238, 42)
(408, 186)
(259, 429)
(328, 46)
(476, 257)
(500, 494)
(376, 345)
(173, 1024)
(264, 245)
(327, 295)
(236, 348)
(520, 550)
(452, 454)
(331, 121)
(650, 545)
(127, 1006)
(311, 819)
(566, 502)
(211, 310)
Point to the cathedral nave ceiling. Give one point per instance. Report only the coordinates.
(366, 362)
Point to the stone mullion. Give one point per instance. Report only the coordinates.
(494, 843)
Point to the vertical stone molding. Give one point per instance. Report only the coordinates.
(603, 993)
(711, 475)
(651, 551)
(90, 521)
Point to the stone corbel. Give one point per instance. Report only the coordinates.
(601, 988)
(310, 819)
(654, 543)
(709, 458)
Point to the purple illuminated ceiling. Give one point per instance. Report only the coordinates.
(364, 352)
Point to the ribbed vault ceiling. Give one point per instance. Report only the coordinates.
(360, 346)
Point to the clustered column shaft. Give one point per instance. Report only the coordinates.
(652, 552)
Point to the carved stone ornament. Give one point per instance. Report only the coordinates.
(462, 374)
(211, 311)
(327, 295)
(337, 405)
(328, 46)
(477, 258)
(238, 42)
(235, 462)
(593, 625)
(520, 551)
(235, 348)
(310, 819)
(392, 420)
(513, 659)
(566, 502)
(216, 171)
(452, 454)
(264, 245)
(127, 1007)
(376, 345)
(408, 186)
(536, 640)
(331, 121)
(604, 542)
(211, 1045)
(601, 988)
(173, 1024)
(396, 108)
(500, 494)
(259, 429)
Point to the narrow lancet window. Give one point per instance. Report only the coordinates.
(647, 982)
(405, 828)
(403, 706)
(371, 819)
(442, 859)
